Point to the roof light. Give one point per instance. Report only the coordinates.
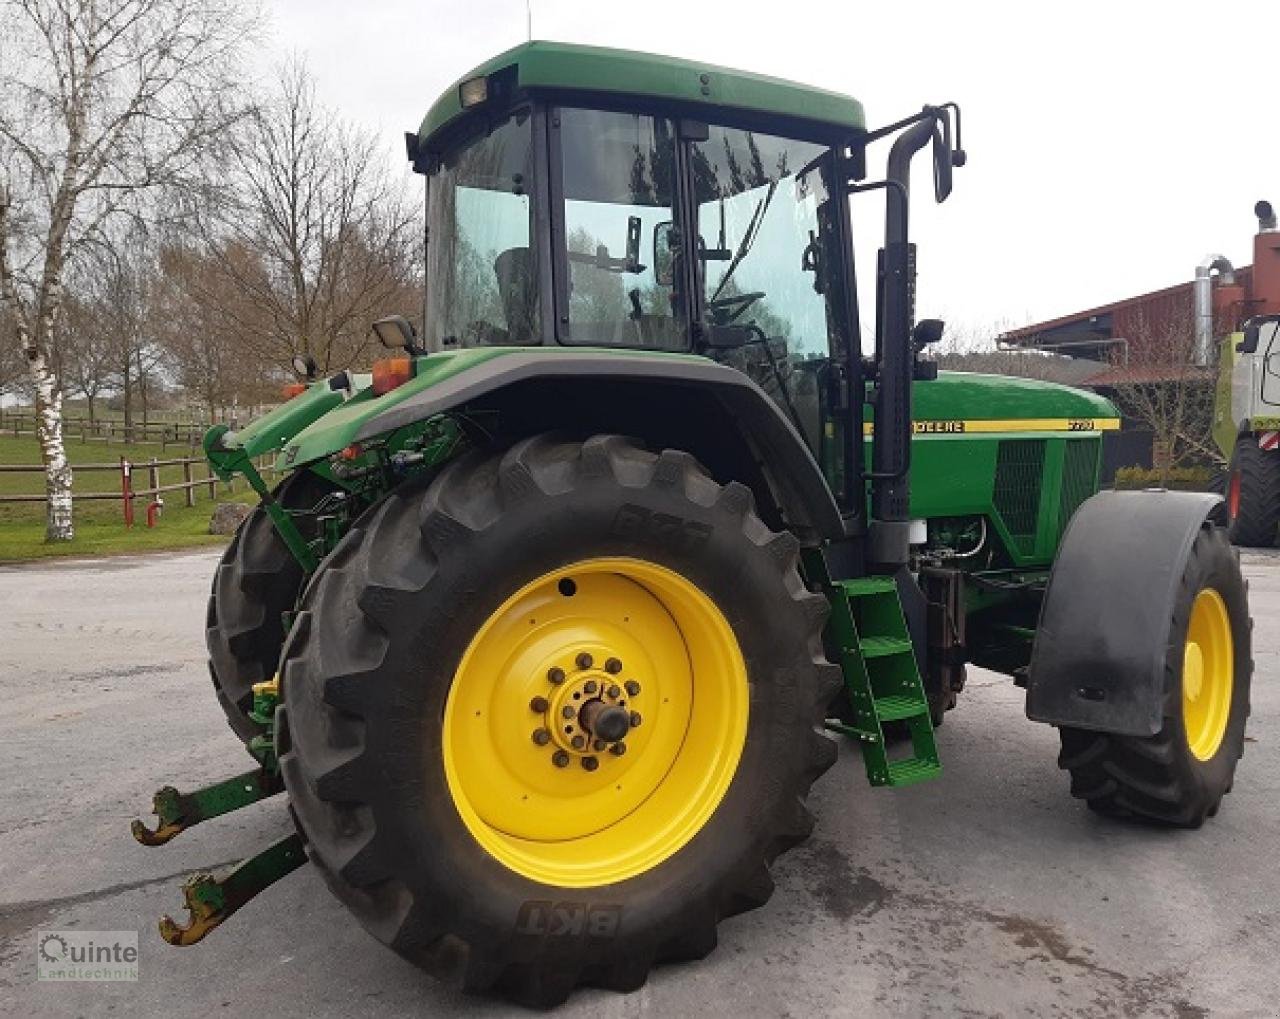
(473, 92)
(293, 389)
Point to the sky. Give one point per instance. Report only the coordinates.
(1111, 145)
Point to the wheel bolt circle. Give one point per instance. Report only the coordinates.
(541, 737)
(635, 719)
(632, 686)
(613, 666)
(590, 763)
(560, 759)
(538, 704)
(618, 749)
(585, 661)
(556, 675)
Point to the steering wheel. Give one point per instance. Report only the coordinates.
(734, 306)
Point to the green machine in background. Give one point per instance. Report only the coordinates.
(545, 632)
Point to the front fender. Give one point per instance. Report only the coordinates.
(1100, 648)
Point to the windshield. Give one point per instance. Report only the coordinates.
(481, 277)
(765, 237)
(619, 172)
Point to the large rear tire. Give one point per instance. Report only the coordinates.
(1179, 776)
(1253, 494)
(446, 685)
(256, 583)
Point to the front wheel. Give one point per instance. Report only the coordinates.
(1179, 776)
(550, 718)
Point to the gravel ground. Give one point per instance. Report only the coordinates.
(986, 892)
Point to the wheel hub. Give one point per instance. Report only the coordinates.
(585, 710)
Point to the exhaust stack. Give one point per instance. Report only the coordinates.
(1266, 262)
(1203, 291)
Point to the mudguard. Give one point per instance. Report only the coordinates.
(794, 477)
(1100, 648)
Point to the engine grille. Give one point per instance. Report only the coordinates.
(1079, 468)
(1019, 469)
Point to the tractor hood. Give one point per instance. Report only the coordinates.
(958, 402)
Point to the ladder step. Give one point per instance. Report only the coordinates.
(879, 647)
(892, 709)
(913, 769)
(862, 586)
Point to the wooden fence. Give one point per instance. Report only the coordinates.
(106, 431)
(126, 492)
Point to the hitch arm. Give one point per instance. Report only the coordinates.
(179, 811)
(210, 900)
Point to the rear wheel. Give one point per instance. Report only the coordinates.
(257, 582)
(1179, 775)
(1253, 494)
(549, 719)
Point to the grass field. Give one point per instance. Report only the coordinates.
(99, 525)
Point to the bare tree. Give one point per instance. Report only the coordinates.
(102, 103)
(201, 324)
(1162, 390)
(314, 236)
(86, 360)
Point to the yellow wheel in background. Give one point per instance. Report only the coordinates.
(1208, 670)
(595, 722)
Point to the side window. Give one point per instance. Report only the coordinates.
(618, 173)
(481, 283)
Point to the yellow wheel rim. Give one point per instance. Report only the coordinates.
(1208, 672)
(583, 653)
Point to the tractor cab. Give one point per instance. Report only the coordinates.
(577, 198)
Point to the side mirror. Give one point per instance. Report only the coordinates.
(1249, 344)
(665, 244)
(396, 333)
(947, 152)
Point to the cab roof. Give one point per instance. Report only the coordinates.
(567, 67)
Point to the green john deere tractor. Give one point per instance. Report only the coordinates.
(544, 633)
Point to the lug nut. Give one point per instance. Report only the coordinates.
(635, 720)
(613, 666)
(538, 704)
(560, 759)
(567, 711)
(556, 675)
(579, 742)
(614, 692)
(591, 686)
(599, 745)
(618, 749)
(585, 661)
(541, 737)
(632, 686)
(590, 763)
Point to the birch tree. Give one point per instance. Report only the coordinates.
(103, 104)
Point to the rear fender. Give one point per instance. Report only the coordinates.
(710, 410)
(1105, 625)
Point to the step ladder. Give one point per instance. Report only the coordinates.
(880, 673)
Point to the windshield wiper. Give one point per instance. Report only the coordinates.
(748, 238)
